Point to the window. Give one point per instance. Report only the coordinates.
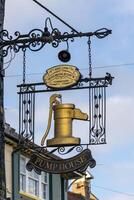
(44, 185)
(22, 174)
(31, 182)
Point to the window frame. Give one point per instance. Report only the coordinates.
(39, 179)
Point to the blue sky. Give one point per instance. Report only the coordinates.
(115, 160)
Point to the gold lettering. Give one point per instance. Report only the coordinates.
(67, 166)
(38, 161)
(71, 164)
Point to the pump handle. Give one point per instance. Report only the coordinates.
(53, 101)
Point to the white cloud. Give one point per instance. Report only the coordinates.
(120, 124)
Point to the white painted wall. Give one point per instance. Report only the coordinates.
(8, 163)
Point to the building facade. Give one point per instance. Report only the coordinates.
(81, 189)
(24, 185)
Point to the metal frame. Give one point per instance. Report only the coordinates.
(97, 113)
(26, 115)
(36, 39)
(84, 83)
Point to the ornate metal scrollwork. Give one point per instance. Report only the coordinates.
(35, 44)
(97, 134)
(26, 115)
(97, 104)
(66, 150)
(36, 38)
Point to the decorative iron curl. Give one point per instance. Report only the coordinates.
(55, 32)
(36, 38)
(102, 33)
(55, 43)
(36, 45)
(64, 150)
(17, 34)
(79, 148)
(35, 33)
(4, 52)
(107, 80)
(16, 48)
(30, 167)
(5, 37)
(61, 150)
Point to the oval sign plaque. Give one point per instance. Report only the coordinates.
(61, 76)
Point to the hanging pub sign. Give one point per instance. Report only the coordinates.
(64, 114)
(48, 163)
(61, 76)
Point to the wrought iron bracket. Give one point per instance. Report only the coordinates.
(36, 39)
(84, 83)
(97, 107)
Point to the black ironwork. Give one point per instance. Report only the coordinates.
(24, 66)
(36, 39)
(90, 60)
(53, 14)
(26, 115)
(97, 110)
(51, 164)
(82, 84)
(65, 150)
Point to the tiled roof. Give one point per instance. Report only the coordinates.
(11, 133)
(74, 196)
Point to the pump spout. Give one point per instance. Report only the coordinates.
(78, 114)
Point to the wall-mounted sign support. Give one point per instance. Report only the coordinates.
(58, 78)
(36, 39)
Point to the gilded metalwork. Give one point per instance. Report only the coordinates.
(61, 76)
(53, 100)
(58, 78)
(97, 105)
(50, 164)
(63, 116)
(83, 83)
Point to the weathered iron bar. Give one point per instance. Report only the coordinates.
(49, 11)
(51, 38)
(61, 89)
(86, 80)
